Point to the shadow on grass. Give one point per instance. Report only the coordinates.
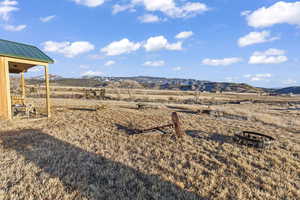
(195, 134)
(220, 138)
(130, 107)
(132, 131)
(182, 110)
(127, 130)
(216, 137)
(83, 109)
(286, 109)
(92, 175)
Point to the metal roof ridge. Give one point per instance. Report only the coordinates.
(46, 57)
(18, 43)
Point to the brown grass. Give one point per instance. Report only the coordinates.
(90, 155)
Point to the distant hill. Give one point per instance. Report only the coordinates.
(182, 84)
(42, 77)
(288, 90)
(162, 83)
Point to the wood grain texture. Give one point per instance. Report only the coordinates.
(28, 62)
(177, 124)
(23, 85)
(47, 92)
(5, 100)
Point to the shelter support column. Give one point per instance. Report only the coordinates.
(5, 97)
(47, 91)
(23, 85)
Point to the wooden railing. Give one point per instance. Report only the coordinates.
(17, 100)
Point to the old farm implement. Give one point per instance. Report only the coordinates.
(249, 138)
(165, 129)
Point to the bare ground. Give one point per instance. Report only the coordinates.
(80, 154)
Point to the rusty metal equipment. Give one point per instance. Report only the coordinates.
(158, 128)
(253, 139)
(141, 106)
(164, 129)
(92, 109)
(144, 106)
(95, 93)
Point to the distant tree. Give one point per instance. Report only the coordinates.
(113, 84)
(130, 84)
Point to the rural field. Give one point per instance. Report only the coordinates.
(149, 100)
(87, 153)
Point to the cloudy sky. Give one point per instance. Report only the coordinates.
(255, 42)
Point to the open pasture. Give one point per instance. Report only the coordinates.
(83, 154)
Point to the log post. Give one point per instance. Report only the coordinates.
(23, 85)
(5, 97)
(47, 92)
(177, 125)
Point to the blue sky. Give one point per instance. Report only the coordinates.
(255, 42)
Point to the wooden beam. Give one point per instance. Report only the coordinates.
(47, 91)
(23, 85)
(19, 67)
(5, 96)
(29, 62)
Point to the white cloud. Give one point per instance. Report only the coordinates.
(279, 13)
(156, 5)
(221, 62)
(245, 12)
(174, 46)
(8, 3)
(110, 62)
(194, 7)
(125, 46)
(92, 73)
(177, 69)
(158, 63)
(47, 19)
(90, 3)
(36, 69)
(160, 42)
(68, 49)
(13, 28)
(149, 18)
(169, 7)
(269, 52)
(184, 35)
(289, 82)
(6, 7)
(231, 79)
(84, 66)
(120, 8)
(270, 56)
(258, 77)
(256, 38)
(96, 56)
(120, 47)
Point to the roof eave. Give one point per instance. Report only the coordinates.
(50, 61)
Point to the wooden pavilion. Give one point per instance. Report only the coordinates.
(17, 58)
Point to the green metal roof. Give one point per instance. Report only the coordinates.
(23, 51)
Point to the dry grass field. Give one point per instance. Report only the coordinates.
(81, 154)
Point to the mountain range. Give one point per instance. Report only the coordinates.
(164, 83)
